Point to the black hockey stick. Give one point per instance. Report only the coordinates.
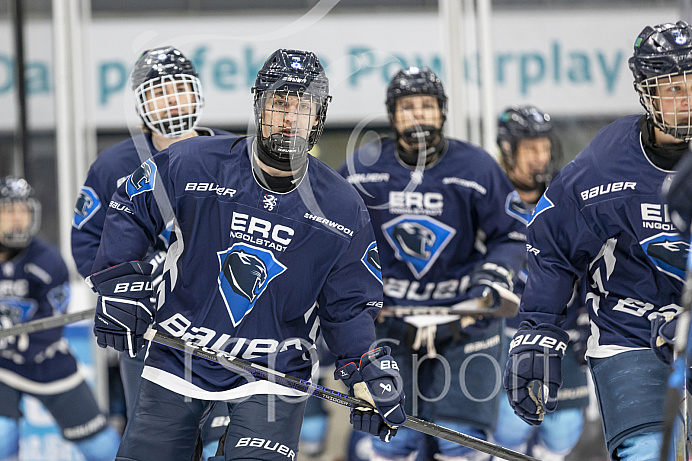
(509, 306)
(47, 323)
(677, 380)
(244, 367)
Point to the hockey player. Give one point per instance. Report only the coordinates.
(530, 153)
(169, 101)
(603, 218)
(269, 244)
(437, 206)
(35, 285)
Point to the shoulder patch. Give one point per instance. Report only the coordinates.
(88, 203)
(142, 180)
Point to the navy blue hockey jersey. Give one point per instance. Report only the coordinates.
(604, 215)
(252, 272)
(34, 285)
(437, 224)
(107, 172)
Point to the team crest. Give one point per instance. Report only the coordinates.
(17, 310)
(245, 273)
(668, 252)
(142, 180)
(371, 259)
(418, 241)
(87, 205)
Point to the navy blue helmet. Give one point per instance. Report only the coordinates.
(168, 91)
(289, 74)
(412, 81)
(526, 122)
(17, 192)
(662, 52)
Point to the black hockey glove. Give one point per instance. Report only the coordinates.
(377, 381)
(679, 195)
(485, 278)
(535, 355)
(663, 336)
(125, 308)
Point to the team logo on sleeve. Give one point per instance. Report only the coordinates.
(245, 273)
(59, 297)
(544, 204)
(418, 241)
(371, 259)
(87, 205)
(17, 310)
(142, 179)
(668, 252)
(516, 208)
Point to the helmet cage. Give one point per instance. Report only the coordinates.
(171, 104)
(290, 105)
(15, 237)
(661, 97)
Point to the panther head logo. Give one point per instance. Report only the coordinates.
(84, 204)
(414, 239)
(245, 272)
(141, 176)
(373, 258)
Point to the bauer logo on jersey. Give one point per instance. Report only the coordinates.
(142, 179)
(418, 241)
(87, 205)
(245, 273)
(668, 252)
(371, 259)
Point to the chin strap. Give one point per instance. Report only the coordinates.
(432, 154)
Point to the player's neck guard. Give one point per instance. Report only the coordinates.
(295, 153)
(278, 184)
(430, 154)
(8, 254)
(664, 157)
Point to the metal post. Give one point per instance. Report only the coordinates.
(450, 20)
(21, 139)
(487, 76)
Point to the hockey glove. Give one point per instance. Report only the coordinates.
(535, 355)
(124, 309)
(485, 277)
(377, 381)
(663, 336)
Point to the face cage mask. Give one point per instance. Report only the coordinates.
(423, 139)
(286, 128)
(178, 111)
(20, 238)
(541, 180)
(650, 97)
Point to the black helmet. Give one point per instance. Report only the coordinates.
(661, 52)
(17, 190)
(290, 73)
(153, 70)
(526, 122)
(424, 140)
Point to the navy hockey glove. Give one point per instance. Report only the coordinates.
(483, 279)
(663, 336)
(124, 309)
(535, 354)
(376, 380)
(679, 193)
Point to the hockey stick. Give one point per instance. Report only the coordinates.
(677, 380)
(258, 371)
(47, 323)
(509, 306)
